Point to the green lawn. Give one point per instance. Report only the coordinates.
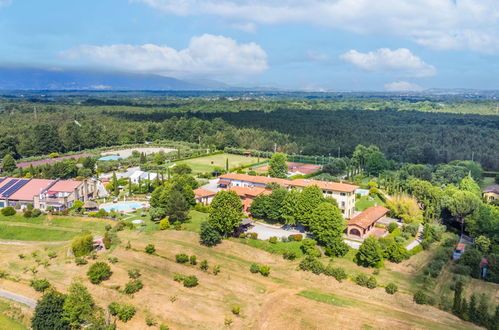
(277, 248)
(208, 163)
(20, 218)
(327, 298)
(24, 233)
(7, 322)
(194, 223)
(364, 202)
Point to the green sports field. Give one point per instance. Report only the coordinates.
(209, 163)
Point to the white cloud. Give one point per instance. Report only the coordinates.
(403, 86)
(246, 27)
(206, 55)
(439, 24)
(316, 56)
(399, 61)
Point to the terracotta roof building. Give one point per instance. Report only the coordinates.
(491, 193)
(204, 196)
(361, 225)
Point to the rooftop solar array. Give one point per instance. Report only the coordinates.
(1, 180)
(8, 185)
(18, 184)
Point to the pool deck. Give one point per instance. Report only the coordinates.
(144, 205)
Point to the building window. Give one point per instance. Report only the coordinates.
(343, 194)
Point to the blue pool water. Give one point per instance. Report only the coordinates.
(122, 206)
(362, 192)
(110, 157)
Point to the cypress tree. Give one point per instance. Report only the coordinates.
(464, 310)
(472, 312)
(456, 307)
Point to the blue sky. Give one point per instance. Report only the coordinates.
(306, 45)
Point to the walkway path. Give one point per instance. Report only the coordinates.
(417, 241)
(21, 299)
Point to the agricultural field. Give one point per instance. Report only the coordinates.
(287, 298)
(210, 163)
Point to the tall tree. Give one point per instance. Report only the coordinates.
(308, 200)
(461, 204)
(370, 253)
(49, 312)
(277, 166)
(8, 164)
(79, 306)
(327, 225)
(226, 215)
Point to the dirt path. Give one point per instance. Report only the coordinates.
(21, 299)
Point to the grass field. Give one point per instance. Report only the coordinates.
(7, 322)
(288, 298)
(209, 163)
(363, 203)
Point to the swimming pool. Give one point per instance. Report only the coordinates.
(362, 192)
(110, 157)
(122, 206)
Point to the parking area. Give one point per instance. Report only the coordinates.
(266, 231)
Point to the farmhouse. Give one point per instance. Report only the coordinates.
(491, 193)
(247, 194)
(203, 196)
(363, 224)
(342, 192)
(41, 193)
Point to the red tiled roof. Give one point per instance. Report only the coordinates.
(65, 186)
(200, 193)
(31, 189)
(254, 178)
(250, 192)
(368, 217)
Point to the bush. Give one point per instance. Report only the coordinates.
(362, 279)
(295, 237)
(99, 272)
(150, 249)
(164, 224)
(192, 260)
(133, 286)
(311, 264)
(40, 285)
(79, 261)
(82, 245)
(273, 240)
(35, 213)
(265, 270)
(190, 281)
(216, 269)
(371, 282)
(27, 213)
(309, 247)
(290, 255)
(8, 211)
(392, 226)
(462, 270)
(391, 288)
(208, 235)
(421, 298)
(236, 309)
(181, 258)
(337, 272)
(204, 265)
(124, 312)
(112, 260)
(412, 229)
(134, 273)
(254, 268)
(164, 327)
(178, 277)
(253, 235)
(177, 225)
(106, 241)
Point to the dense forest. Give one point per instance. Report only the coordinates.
(414, 130)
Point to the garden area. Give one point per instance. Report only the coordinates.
(219, 162)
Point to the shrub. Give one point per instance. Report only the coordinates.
(150, 321)
(337, 272)
(208, 235)
(371, 282)
(309, 247)
(99, 272)
(253, 235)
(311, 264)
(27, 213)
(216, 269)
(35, 213)
(290, 255)
(150, 249)
(112, 260)
(134, 273)
(133, 286)
(295, 237)
(204, 265)
(82, 245)
(124, 312)
(254, 268)
(361, 279)
(421, 298)
(164, 224)
(265, 270)
(190, 281)
(181, 258)
(177, 225)
(391, 288)
(192, 260)
(236, 309)
(52, 254)
(392, 226)
(79, 261)
(273, 240)
(462, 270)
(178, 277)
(164, 327)
(107, 240)
(8, 211)
(412, 229)
(40, 285)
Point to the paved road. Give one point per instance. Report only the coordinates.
(212, 185)
(417, 241)
(21, 299)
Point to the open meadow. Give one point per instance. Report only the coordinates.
(286, 299)
(210, 163)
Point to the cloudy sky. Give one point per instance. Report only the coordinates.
(296, 44)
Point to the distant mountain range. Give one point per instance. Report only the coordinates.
(40, 79)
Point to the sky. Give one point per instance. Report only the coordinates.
(334, 45)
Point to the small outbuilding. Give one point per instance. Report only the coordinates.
(363, 224)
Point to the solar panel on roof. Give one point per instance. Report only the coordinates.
(1, 180)
(8, 185)
(9, 192)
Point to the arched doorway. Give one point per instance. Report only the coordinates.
(354, 232)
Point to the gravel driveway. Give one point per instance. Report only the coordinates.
(266, 231)
(12, 296)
